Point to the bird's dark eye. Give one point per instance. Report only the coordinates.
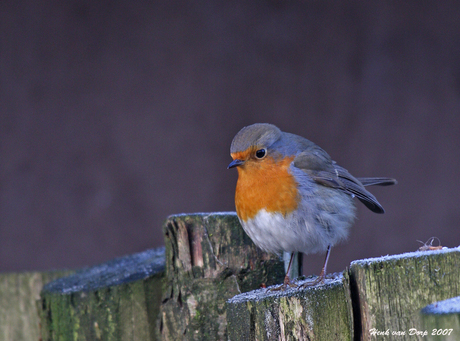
(260, 153)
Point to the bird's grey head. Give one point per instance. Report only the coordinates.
(259, 134)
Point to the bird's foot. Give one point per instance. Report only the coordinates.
(287, 283)
(317, 280)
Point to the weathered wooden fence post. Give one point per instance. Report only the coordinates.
(390, 291)
(209, 259)
(118, 300)
(315, 313)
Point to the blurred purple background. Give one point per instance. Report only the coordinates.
(114, 115)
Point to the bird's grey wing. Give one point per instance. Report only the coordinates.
(377, 181)
(319, 166)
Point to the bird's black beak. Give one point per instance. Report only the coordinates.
(235, 163)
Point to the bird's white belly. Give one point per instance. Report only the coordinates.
(306, 232)
(274, 233)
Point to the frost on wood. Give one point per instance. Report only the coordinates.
(321, 312)
(388, 292)
(117, 300)
(209, 259)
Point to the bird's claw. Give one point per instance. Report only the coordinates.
(287, 283)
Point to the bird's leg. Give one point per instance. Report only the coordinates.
(287, 280)
(322, 275)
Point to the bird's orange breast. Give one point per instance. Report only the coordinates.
(265, 184)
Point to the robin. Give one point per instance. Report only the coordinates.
(290, 196)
